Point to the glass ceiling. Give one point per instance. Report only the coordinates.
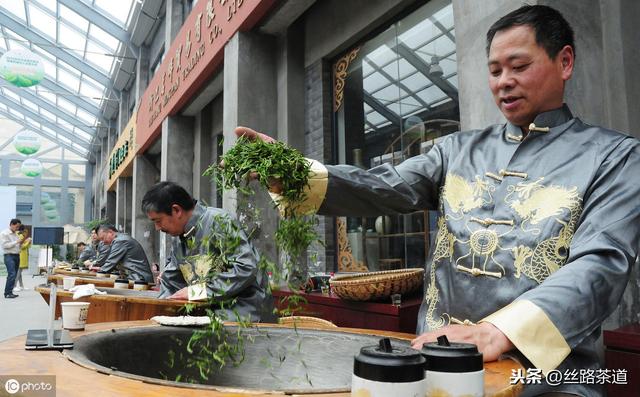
(390, 69)
(78, 42)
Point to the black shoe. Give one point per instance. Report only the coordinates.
(10, 296)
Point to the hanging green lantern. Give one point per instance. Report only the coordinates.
(21, 68)
(31, 168)
(26, 142)
(51, 214)
(49, 205)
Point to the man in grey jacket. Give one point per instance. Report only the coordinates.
(211, 257)
(539, 219)
(125, 254)
(101, 251)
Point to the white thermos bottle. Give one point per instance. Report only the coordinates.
(453, 369)
(388, 371)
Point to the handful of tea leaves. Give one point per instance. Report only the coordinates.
(268, 161)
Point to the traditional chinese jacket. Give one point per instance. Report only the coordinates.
(127, 255)
(536, 235)
(102, 253)
(237, 286)
(88, 253)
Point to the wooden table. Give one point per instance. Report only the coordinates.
(368, 315)
(83, 279)
(73, 380)
(65, 272)
(106, 308)
(88, 279)
(623, 352)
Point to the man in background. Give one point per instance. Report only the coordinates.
(11, 244)
(125, 254)
(100, 250)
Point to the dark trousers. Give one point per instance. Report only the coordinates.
(12, 262)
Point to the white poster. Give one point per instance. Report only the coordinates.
(7, 206)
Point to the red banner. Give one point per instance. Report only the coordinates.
(195, 54)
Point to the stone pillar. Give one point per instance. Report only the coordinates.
(123, 111)
(290, 70)
(474, 18)
(620, 38)
(123, 204)
(203, 155)
(110, 207)
(145, 174)
(291, 109)
(89, 205)
(249, 100)
(176, 162)
(174, 18)
(142, 73)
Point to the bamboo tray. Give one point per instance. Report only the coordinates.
(377, 285)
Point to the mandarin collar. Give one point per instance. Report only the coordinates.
(543, 123)
(190, 227)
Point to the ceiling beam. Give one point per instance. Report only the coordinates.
(397, 81)
(383, 110)
(44, 134)
(8, 141)
(52, 48)
(444, 30)
(13, 105)
(48, 106)
(51, 149)
(423, 67)
(98, 19)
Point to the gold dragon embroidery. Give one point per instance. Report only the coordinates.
(463, 196)
(534, 204)
(443, 249)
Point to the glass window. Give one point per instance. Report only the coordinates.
(15, 169)
(50, 206)
(77, 172)
(52, 171)
(395, 95)
(75, 200)
(24, 203)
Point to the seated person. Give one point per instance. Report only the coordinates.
(85, 252)
(101, 250)
(195, 231)
(126, 254)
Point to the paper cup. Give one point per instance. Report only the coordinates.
(68, 282)
(140, 286)
(121, 283)
(74, 315)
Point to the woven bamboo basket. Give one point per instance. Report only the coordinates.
(376, 285)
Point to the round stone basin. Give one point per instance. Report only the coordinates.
(301, 361)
